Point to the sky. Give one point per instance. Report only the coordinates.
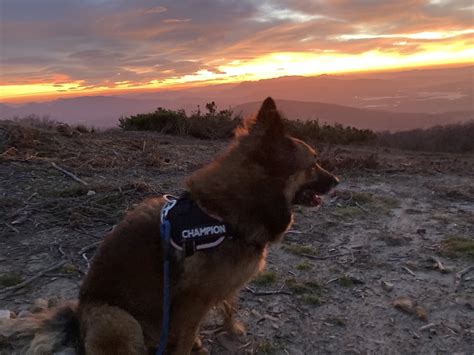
(53, 48)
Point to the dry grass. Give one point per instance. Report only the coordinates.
(458, 246)
(265, 278)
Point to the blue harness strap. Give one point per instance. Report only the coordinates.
(165, 231)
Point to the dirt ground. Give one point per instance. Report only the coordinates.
(384, 266)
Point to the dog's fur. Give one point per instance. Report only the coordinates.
(251, 187)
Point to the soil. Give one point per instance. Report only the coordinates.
(368, 272)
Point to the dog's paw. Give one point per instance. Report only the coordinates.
(198, 349)
(235, 328)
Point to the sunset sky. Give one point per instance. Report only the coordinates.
(52, 48)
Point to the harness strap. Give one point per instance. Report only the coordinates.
(165, 231)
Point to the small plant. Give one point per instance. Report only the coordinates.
(299, 249)
(345, 281)
(457, 246)
(69, 268)
(265, 278)
(268, 347)
(311, 299)
(304, 266)
(336, 321)
(307, 290)
(7, 280)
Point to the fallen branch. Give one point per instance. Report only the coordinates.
(427, 326)
(409, 271)
(385, 170)
(361, 208)
(323, 257)
(267, 293)
(294, 231)
(12, 228)
(33, 278)
(458, 279)
(439, 264)
(84, 256)
(88, 247)
(71, 175)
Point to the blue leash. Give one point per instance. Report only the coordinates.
(165, 243)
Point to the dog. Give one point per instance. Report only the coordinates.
(251, 188)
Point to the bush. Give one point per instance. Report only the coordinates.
(212, 125)
(455, 138)
(221, 125)
(316, 133)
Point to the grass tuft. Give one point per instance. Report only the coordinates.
(265, 278)
(299, 249)
(7, 280)
(304, 266)
(345, 281)
(457, 246)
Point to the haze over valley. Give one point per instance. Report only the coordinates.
(380, 101)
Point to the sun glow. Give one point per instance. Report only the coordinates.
(262, 67)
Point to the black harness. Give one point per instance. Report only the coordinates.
(192, 229)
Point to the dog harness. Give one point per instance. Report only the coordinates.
(192, 229)
(187, 228)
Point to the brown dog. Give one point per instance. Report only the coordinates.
(251, 187)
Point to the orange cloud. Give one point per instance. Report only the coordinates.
(59, 49)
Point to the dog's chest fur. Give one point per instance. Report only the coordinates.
(222, 271)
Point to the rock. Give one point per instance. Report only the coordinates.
(24, 314)
(404, 304)
(5, 314)
(421, 313)
(387, 286)
(91, 193)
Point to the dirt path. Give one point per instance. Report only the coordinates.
(328, 288)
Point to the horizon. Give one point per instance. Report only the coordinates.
(114, 47)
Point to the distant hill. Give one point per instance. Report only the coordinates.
(420, 98)
(361, 118)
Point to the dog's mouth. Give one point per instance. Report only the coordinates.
(306, 197)
(309, 194)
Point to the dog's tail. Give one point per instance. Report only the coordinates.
(43, 333)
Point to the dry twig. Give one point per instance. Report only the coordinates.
(458, 278)
(33, 278)
(71, 175)
(409, 271)
(267, 293)
(88, 247)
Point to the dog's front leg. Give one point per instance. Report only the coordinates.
(185, 320)
(230, 324)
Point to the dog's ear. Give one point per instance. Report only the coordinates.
(268, 119)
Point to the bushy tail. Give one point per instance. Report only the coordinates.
(47, 332)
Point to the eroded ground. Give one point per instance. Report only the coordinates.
(400, 233)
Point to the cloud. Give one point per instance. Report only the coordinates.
(101, 43)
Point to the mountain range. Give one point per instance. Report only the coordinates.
(380, 101)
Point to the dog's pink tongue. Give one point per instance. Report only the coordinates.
(316, 200)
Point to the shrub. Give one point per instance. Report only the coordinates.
(221, 124)
(334, 134)
(212, 125)
(455, 138)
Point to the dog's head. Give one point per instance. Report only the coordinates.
(286, 160)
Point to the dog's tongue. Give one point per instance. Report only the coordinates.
(316, 200)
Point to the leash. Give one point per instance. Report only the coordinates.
(165, 232)
(193, 230)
